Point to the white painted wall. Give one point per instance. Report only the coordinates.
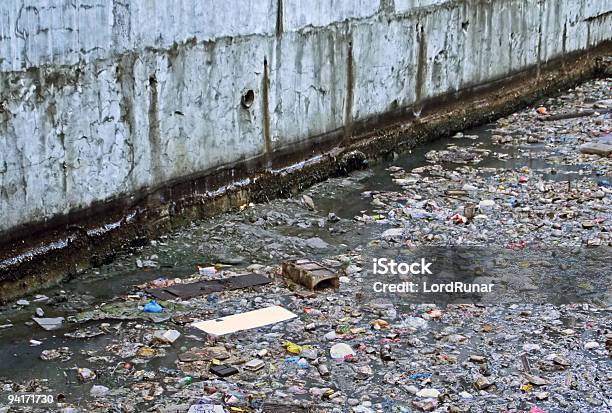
(81, 119)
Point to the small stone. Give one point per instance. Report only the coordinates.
(316, 243)
(591, 345)
(308, 202)
(482, 383)
(536, 380)
(39, 312)
(331, 217)
(561, 361)
(330, 336)
(323, 370)
(310, 353)
(23, 303)
(587, 224)
(425, 406)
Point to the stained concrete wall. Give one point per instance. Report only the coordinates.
(103, 98)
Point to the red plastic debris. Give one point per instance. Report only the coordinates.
(458, 219)
(517, 245)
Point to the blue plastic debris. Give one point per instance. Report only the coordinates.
(420, 376)
(153, 307)
(605, 183)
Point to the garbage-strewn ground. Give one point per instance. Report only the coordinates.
(537, 184)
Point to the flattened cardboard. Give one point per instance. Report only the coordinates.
(245, 321)
(191, 290)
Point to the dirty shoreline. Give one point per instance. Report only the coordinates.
(39, 256)
(525, 192)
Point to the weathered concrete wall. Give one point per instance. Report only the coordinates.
(100, 99)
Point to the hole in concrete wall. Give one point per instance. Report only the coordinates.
(465, 25)
(247, 99)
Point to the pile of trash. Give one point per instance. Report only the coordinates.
(278, 314)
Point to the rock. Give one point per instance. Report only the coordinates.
(341, 350)
(23, 303)
(482, 383)
(310, 353)
(425, 406)
(331, 217)
(39, 312)
(308, 202)
(536, 380)
(317, 243)
(330, 336)
(323, 370)
(591, 345)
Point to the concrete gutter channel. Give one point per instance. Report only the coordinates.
(42, 254)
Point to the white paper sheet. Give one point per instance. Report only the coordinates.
(245, 321)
